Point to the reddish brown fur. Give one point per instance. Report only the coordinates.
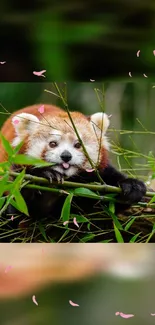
(49, 110)
(103, 158)
(8, 131)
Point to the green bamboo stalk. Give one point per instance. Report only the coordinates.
(93, 187)
(90, 196)
(74, 127)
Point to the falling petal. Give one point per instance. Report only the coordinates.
(126, 315)
(110, 115)
(41, 109)
(89, 170)
(138, 52)
(2, 62)
(8, 268)
(65, 223)
(12, 217)
(75, 222)
(92, 80)
(39, 73)
(34, 300)
(145, 75)
(153, 52)
(73, 303)
(130, 74)
(15, 121)
(152, 314)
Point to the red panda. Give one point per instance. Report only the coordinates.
(51, 137)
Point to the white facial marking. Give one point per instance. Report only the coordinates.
(40, 137)
(27, 124)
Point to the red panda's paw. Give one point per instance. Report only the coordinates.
(133, 190)
(52, 175)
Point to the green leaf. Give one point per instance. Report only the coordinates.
(6, 145)
(18, 147)
(2, 201)
(20, 202)
(4, 166)
(85, 191)
(112, 207)
(152, 200)
(133, 239)
(42, 230)
(79, 218)
(88, 226)
(28, 160)
(18, 180)
(14, 204)
(129, 224)
(65, 212)
(3, 183)
(116, 222)
(87, 238)
(118, 235)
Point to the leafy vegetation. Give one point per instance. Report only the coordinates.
(96, 219)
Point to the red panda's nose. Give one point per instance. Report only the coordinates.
(66, 156)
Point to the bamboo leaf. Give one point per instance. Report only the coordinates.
(65, 212)
(118, 235)
(22, 207)
(6, 145)
(28, 160)
(133, 239)
(87, 238)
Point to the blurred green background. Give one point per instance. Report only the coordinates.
(77, 40)
(130, 103)
(115, 278)
(99, 298)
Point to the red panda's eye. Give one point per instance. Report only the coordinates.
(53, 144)
(77, 145)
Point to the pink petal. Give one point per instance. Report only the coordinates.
(65, 223)
(152, 314)
(12, 218)
(117, 313)
(130, 74)
(89, 170)
(92, 80)
(34, 300)
(15, 121)
(2, 62)
(75, 222)
(41, 109)
(73, 303)
(138, 52)
(145, 75)
(9, 267)
(153, 52)
(39, 73)
(126, 315)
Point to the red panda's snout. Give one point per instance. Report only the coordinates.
(53, 139)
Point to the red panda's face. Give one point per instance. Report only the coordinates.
(53, 139)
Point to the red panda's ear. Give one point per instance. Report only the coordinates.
(100, 122)
(24, 123)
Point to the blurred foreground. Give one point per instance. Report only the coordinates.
(102, 279)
